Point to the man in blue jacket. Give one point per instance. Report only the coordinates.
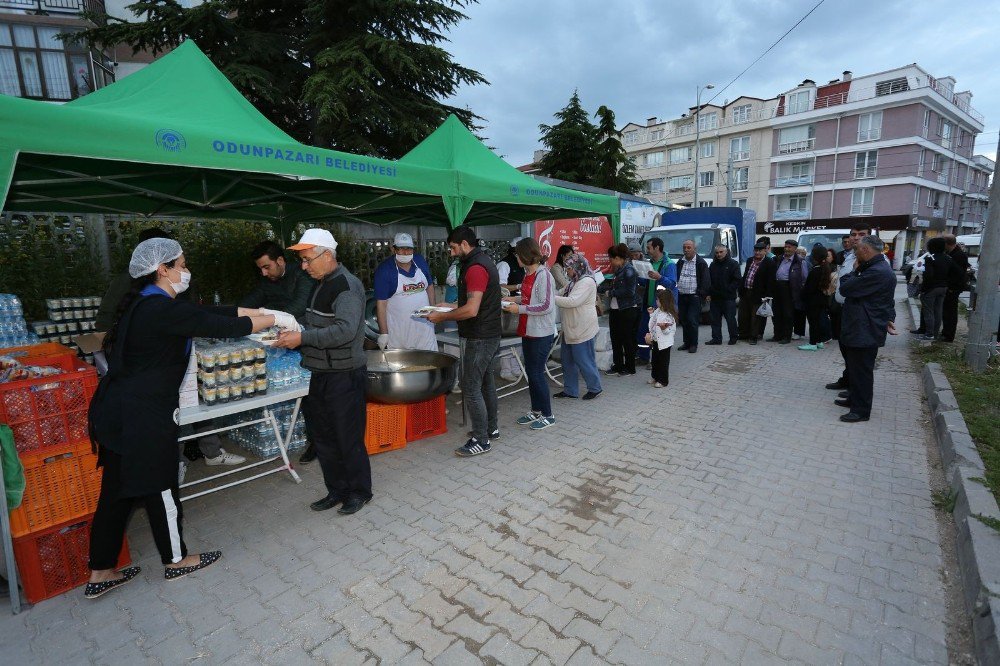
(664, 274)
(869, 314)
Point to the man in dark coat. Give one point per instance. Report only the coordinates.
(756, 285)
(693, 285)
(869, 314)
(789, 276)
(724, 275)
(957, 283)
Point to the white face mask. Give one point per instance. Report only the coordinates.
(181, 287)
(404, 258)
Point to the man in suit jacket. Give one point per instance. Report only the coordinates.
(756, 285)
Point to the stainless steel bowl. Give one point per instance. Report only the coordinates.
(508, 324)
(388, 385)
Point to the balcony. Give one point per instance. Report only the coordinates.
(862, 209)
(864, 172)
(794, 181)
(796, 146)
(55, 7)
(943, 178)
(792, 214)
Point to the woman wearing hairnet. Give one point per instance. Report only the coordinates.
(133, 416)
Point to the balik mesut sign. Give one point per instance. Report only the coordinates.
(589, 236)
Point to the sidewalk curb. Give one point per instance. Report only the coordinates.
(978, 544)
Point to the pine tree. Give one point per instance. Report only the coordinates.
(362, 76)
(570, 144)
(615, 169)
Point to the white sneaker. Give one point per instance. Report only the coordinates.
(225, 459)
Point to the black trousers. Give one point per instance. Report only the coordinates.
(784, 310)
(750, 324)
(113, 512)
(860, 377)
(661, 364)
(799, 321)
(835, 310)
(719, 308)
(689, 309)
(336, 412)
(819, 323)
(949, 318)
(621, 327)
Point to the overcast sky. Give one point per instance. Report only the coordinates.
(644, 58)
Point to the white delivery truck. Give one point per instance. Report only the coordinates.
(828, 238)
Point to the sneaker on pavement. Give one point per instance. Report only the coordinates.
(225, 459)
(659, 385)
(473, 447)
(530, 417)
(796, 336)
(543, 422)
(809, 347)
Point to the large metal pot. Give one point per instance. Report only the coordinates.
(435, 375)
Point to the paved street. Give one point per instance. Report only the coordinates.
(729, 518)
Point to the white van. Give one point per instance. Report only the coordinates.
(828, 238)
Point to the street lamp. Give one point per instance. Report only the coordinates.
(697, 136)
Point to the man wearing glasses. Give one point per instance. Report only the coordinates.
(725, 278)
(331, 343)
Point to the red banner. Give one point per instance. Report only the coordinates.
(589, 236)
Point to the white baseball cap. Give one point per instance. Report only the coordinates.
(513, 241)
(403, 240)
(313, 237)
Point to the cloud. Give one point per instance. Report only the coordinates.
(645, 58)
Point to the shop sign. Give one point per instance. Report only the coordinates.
(590, 236)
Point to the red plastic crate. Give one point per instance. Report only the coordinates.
(38, 354)
(426, 419)
(58, 488)
(49, 411)
(385, 428)
(55, 560)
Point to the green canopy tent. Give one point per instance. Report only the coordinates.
(177, 139)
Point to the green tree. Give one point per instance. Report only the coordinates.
(615, 169)
(362, 76)
(571, 145)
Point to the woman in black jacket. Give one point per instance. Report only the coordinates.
(816, 300)
(133, 416)
(624, 315)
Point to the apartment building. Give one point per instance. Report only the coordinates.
(35, 64)
(728, 152)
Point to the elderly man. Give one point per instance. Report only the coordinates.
(724, 274)
(789, 276)
(858, 231)
(403, 284)
(869, 314)
(331, 346)
(756, 285)
(693, 284)
(282, 286)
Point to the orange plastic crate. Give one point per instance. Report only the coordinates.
(49, 411)
(55, 560)
(426, 419)
(385, 428)
(59, 488)
(38, 354)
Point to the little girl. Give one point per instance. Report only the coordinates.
(662, 326)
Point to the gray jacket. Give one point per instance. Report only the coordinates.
(542, 309)
(334, 334)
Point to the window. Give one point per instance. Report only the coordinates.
(944, 131)
(865, 163)
(891, 86)
(706, 179)
(708, 149)
(923, 158)
(740, 203)
(794, 173)
(797, 102)
(739, 148)
(34, 63)
(706, 203)
(653, 159)
(680, 183)
(678, 155)
(862, 201)
(708, 121)
(685, 129)
(741, 179)
(631, 137)
(741, 114)
(655, 135)
(799, 202)
(927, 121)
(916, 199)
(796, 139)
(870, 126)
(654, 186)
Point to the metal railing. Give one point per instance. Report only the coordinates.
(864, 172)
(859, 94)
(796, 146)
(793, 181)
(56, 6)
(862, 209)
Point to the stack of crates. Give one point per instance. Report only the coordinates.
(391, 427)
(48, 417)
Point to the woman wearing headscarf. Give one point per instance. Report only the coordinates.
(579, 329)
(133, 416)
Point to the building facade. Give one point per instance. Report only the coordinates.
(897, 147)
(34, 63)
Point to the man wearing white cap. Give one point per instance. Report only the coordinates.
(511, 273)
(403, 284)
(331, 343)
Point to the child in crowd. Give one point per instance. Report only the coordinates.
(662, 326)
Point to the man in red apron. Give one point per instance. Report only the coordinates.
(403, 284)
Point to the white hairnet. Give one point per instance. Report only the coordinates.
(149, 254)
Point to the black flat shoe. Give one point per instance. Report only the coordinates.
(326, 503)
(692, 350)
(561, 394)
(682, 348)
(851, 417)
(713, 342)
(733, 341)
(590, 395)
(843, 394)
(206, 560)
(308, 455)
(836, 386)
(842, 402)
(353, 505)
(94, 590)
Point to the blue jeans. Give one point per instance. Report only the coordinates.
(479, 389)
(579, 357)
(689, 309)
(536, 352)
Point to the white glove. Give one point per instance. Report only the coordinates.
(383, 341)
(283, 320)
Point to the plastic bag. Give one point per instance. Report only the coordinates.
(13, 470)
(765, 309)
